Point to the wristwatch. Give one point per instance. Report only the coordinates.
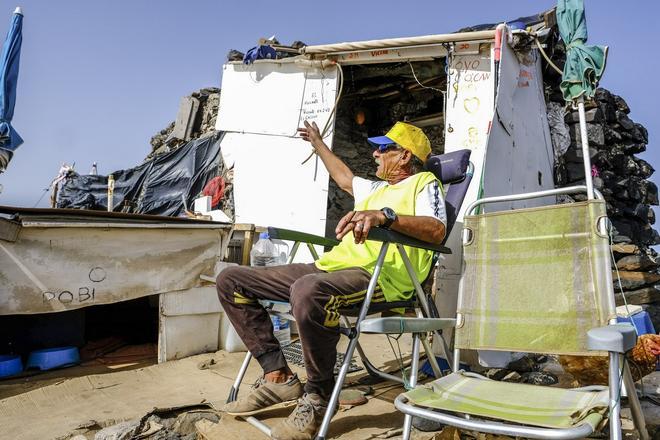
(390, 217)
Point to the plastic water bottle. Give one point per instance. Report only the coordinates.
(264, 252)
(268, 252)
(281, 329)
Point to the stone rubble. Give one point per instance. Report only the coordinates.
(622, 178)
(204, 123)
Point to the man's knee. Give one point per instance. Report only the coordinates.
(306, 296)
(228, 282)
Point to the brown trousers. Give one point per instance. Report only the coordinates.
(315, 297)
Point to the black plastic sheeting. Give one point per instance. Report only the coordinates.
(155, 187)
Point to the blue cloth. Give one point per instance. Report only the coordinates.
(9, 60)
(259, 53)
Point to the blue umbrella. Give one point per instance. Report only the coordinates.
(9, 60)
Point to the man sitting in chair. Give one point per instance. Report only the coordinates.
(407, 200)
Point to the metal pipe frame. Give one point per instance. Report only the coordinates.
(118, 225)
(294, 250)
(334, 397)
(532, 195)
(407, 420)
(401, 403)
(635, 407)
(312, 250)
(421, 297)
(615, 397)
(233, 393)
(588, 179)
(261, 426)
(392, 43)
(371, 369)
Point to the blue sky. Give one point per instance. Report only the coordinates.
(99, 78)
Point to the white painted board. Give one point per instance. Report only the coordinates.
(274, 98)
(261, 108)
(272, 188)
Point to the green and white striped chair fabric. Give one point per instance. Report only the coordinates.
(520, 403)
(534, 280)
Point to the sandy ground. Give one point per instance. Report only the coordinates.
(76, 403)
(57, 405)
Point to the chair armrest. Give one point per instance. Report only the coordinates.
(380, 234)
(375, 234)
(397, 325)
(303, 237)
(617, 338)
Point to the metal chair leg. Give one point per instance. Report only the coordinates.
(615, 397)
(233, 393)
(334, 397)
(635, 407)
(407, 421)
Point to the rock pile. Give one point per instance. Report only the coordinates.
(203, 123)
(622, 178)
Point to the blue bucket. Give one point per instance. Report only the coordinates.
(50, 358)
(10, 365)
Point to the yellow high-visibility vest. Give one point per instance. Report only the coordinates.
(393, 280)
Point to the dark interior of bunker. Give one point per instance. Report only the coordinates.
(96, 330)
(374, 97)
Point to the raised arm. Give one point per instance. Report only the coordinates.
(338, 170)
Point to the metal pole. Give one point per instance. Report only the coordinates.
(421, 296)
(585, 149)
(615, 397)
(407, 420)
(635, 407)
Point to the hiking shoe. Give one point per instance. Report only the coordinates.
(265, 395)
(304, 421)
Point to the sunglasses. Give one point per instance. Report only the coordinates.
(388, 147)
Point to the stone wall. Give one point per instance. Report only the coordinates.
(622, 178)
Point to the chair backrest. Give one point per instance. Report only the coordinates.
(455, 172)
(535, 279)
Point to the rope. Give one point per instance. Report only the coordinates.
(545, 55)
(42, 196)
(399, 358)
(420, 84)
(618, 277)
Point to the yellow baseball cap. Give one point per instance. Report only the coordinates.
(406, 136)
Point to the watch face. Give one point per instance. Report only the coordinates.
(390, 215)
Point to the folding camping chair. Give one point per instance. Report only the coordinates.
(534, 280)
(455, 172)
